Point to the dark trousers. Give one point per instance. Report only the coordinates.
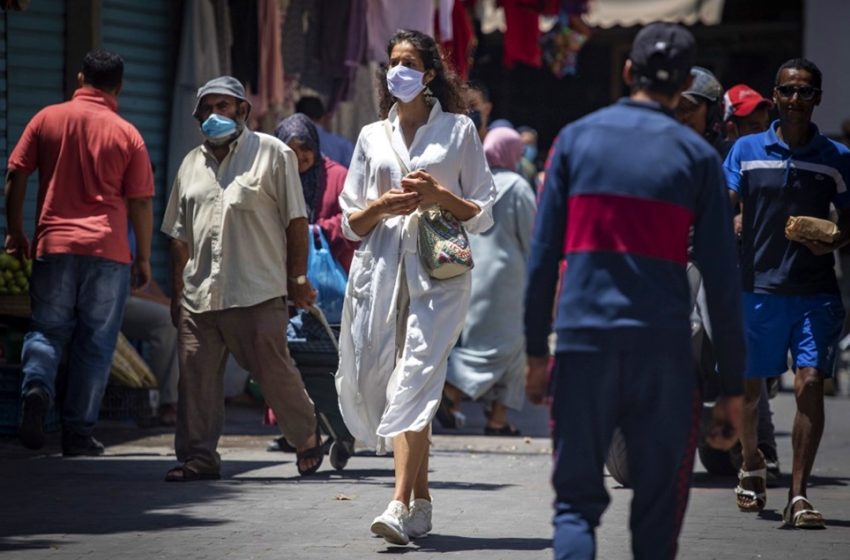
(256, 336)
(652, 395)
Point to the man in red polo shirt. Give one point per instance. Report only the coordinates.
(94, 171)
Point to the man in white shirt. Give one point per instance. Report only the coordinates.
(237, 218)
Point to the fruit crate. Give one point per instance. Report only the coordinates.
(130, 403)
(15, 305)
(11, 403)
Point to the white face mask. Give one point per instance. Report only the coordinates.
(405, 83)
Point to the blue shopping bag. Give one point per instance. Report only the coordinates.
(326, 275)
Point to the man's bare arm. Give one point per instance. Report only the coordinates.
(179, 258)
(297, 237)
(140, 212)
(16, 239)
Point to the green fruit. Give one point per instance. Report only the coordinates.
(5, 259)
(14, 290)
(14, 264)
(8, 274)
(22, 283)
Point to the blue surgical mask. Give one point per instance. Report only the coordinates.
(530, 153)
(218, 129)
(405, 83)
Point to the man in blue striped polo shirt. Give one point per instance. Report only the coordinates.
(791, 297)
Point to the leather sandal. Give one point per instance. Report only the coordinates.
(182, 473)
(806, 518)
(506, 430)
(317, 452)
(751, 500)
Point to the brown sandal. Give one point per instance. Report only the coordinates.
(317, 452)
(183, 473)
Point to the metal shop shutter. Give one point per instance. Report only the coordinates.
(34, 77)
(141, 33)
(4, 154)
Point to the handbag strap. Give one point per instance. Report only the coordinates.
(404, 169)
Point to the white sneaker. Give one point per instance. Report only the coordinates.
(419, 521)
(391, 524)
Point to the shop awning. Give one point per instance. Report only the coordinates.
(626, 13)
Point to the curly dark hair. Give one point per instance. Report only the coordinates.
(445, 86)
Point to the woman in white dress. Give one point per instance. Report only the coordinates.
(399, 324)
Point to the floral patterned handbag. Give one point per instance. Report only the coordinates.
(442, 243)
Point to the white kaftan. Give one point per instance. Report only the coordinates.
(380, 396)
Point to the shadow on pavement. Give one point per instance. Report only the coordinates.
(368, 477)
(453, 543)
(820, 480)
(101, 496)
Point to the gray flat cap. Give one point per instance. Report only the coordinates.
(224, 85)
(705, 86)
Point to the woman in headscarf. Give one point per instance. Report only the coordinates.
(322, 180)
(488, 364)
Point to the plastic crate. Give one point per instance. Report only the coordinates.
(11, 343)
(128, 403)
(11, 403)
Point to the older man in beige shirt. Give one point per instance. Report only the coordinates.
(238, 222)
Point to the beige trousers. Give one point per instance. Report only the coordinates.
(256, 336)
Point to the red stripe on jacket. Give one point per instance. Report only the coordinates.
(627, 224)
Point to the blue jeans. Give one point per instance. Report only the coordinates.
(77, 300)
(652, 395)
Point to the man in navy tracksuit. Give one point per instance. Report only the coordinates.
(623, 187)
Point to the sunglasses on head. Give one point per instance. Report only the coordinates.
(806, 93)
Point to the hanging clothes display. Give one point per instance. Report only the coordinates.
(523, 30)
(561, 44)
(224, 34)
(245, 53)
(443, 24)
(302, 47)
(385, 17)
(362, 109)
(198, 61)
(355, 53)
(333, 18)
(457, 47)
(269, 95)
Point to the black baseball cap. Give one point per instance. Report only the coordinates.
(663, 53)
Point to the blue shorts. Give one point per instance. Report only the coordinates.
(808, 326)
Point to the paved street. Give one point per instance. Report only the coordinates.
(492, 500)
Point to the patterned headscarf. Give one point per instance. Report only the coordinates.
(503, 148)
(299, 127)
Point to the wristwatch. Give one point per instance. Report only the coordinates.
(300, 279)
